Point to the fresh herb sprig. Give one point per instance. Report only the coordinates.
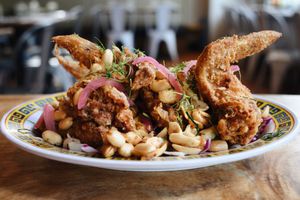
(184, 102)
(192, 119)
(100, 45)
(270, 136)
(177, 68)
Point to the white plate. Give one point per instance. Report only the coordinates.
(17, 123)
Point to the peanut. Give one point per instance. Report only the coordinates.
(115, 138)
(155, 141)
(218, 145)
(168, 96)
(184, 140)
(189, 131)
(160, 85)
(126, 150)
(174, 127)
(143, 149)
(96, 67)
(52, 137)
(59, 115)
(209, 133)
(133, 138)
(65, 123)
(108, 57)
(163, 133)
(108, 151)
(162, 149)
(186, 150)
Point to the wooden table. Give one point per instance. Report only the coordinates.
(274, 175)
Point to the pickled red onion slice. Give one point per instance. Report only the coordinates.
(93, 85)
(39, 122)
(88, 149)
(234, 68)
(189, 65)
(48, 116)
(206, 146)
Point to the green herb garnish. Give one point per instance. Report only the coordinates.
(184, 102)
(146, 115)
(270, 136)
(192, 119)
(138, 52)
(100, 45)
(177, 68)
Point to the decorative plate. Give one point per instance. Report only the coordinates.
(16, 126)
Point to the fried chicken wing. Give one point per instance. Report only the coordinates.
(234, 106)
(84, 53)
(105, 107)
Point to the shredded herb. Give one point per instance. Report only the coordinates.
(146, 115)
(138, 52)
(177, 68)
(184, 102)
(185, 106)
(192, 119)
(100, 45)
(270, 136)
(108, 72)
(129, 88)
(119, 68)
(179, 119)
(191, 81)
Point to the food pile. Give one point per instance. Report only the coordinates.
(126, 104)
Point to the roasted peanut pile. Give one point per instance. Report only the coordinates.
(140, 143)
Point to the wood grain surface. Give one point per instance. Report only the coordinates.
(274, 175)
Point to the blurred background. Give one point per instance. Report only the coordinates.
(170, 31)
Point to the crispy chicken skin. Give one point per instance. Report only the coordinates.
(84, 52)
(233, 104)
(143, 77)
(105, 107)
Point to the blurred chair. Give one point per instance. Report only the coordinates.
(95, 14)
(76, 15)
(99, 22)
(6, 34)
(243, 20)
(281, 54)
(118, 33)
(31, 60)
(233, 16)
(23, 58)
(34, 58)
(248, 23)
(163, 32)
(5, 50)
